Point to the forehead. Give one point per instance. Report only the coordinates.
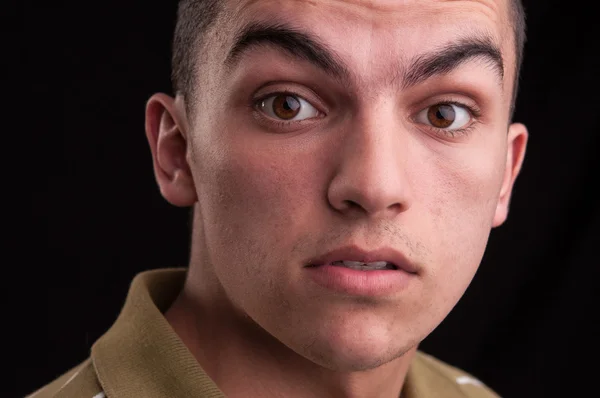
(373, 10)
(380, 16)
(368, 34)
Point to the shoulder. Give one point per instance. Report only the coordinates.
(81, 382)
(460, 382)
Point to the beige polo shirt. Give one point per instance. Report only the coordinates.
(142, 356)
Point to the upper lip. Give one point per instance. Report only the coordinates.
(355, 253)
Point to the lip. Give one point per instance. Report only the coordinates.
(380, 283)
(354, 253)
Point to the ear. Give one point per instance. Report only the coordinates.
(166, 131)
(517, 142)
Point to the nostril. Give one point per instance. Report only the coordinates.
(350, 204)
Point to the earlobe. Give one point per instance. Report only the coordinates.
(166, 134)
(515, 154)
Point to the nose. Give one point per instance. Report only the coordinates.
(371, 175)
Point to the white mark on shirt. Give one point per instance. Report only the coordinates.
(468, 380)
(100, 395)
(70, 378)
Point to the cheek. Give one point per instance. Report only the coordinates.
(465, 194)
(253, 200)
(260, 190)
(461, 200)
(255, 205)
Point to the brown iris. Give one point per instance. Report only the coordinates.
(286, 106)
(441, 115)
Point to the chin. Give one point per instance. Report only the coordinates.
(354, 359)
(356, 350)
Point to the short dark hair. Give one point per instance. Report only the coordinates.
(195, 17)
(519, 25)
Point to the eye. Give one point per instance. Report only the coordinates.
(288, 107)
(446, 116)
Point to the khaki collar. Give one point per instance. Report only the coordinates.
(142, 356)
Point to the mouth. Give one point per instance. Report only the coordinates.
(355, 258)
(352, 271)
(361, 266)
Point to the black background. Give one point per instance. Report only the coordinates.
(527, 326)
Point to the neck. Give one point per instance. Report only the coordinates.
(244, 360)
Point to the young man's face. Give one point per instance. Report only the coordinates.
(389, 128)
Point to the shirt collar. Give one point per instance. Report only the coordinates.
(141, 355)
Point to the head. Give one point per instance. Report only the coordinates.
(302, 126)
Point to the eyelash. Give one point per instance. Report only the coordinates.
(474, 113)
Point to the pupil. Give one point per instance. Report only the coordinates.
(445, 112)
(441, 116)
(286, 106)
(290, 104)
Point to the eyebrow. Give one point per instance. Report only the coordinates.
(303, 45)
(298, 44)
(451, 56)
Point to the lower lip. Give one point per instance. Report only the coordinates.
(360, 283)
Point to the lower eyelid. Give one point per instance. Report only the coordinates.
(464, 131)
(285, 126)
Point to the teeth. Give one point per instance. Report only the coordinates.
(376, 265)
(355, 264)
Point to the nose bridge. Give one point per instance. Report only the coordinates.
(371, 172)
